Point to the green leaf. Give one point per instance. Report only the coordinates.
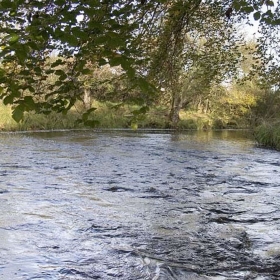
(13, 38)
(58, 34)
(44, 34)
(5, 50)
(8, 99)
(58, 83)
(49, 71)
(31, 89)
(29, 102)
(267, 17)
(63, 77)
(237, 5)
(116, 60)
(269, 3)
(79, 33)
(130, 72)
(257, 15)
(102, 62)
(56, 63)
(6, 4)
(72, 40)
(248, 9)
(276, 22)
(18, 113)
(86, 71)
(61, 74)
(24, 72)
(33, 45)
(37, 70)
(144, 85)
(101, 40)
(115, 43)
(125, 63)
(60, 2)
(2, 73)
(22, 52)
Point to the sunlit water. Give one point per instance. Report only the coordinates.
(138, 205)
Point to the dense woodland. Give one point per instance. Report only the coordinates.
(169, 64)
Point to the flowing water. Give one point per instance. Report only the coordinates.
(138, 205)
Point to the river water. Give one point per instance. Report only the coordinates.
(138, 205)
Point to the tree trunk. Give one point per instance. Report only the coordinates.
(87, 98)
(175, 110)
(206, 106)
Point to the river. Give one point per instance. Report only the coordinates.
(138, 205)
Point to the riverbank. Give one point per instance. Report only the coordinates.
(268, 135)
(109, 115)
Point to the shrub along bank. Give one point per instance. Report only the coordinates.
(268, 135)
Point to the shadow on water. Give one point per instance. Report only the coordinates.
(138, 205)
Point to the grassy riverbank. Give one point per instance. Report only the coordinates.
(108, 115)
(36, 121)
(268, 135)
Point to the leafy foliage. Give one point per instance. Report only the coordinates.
(268, 135)
(151, 41)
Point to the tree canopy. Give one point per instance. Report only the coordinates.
(149, 40)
